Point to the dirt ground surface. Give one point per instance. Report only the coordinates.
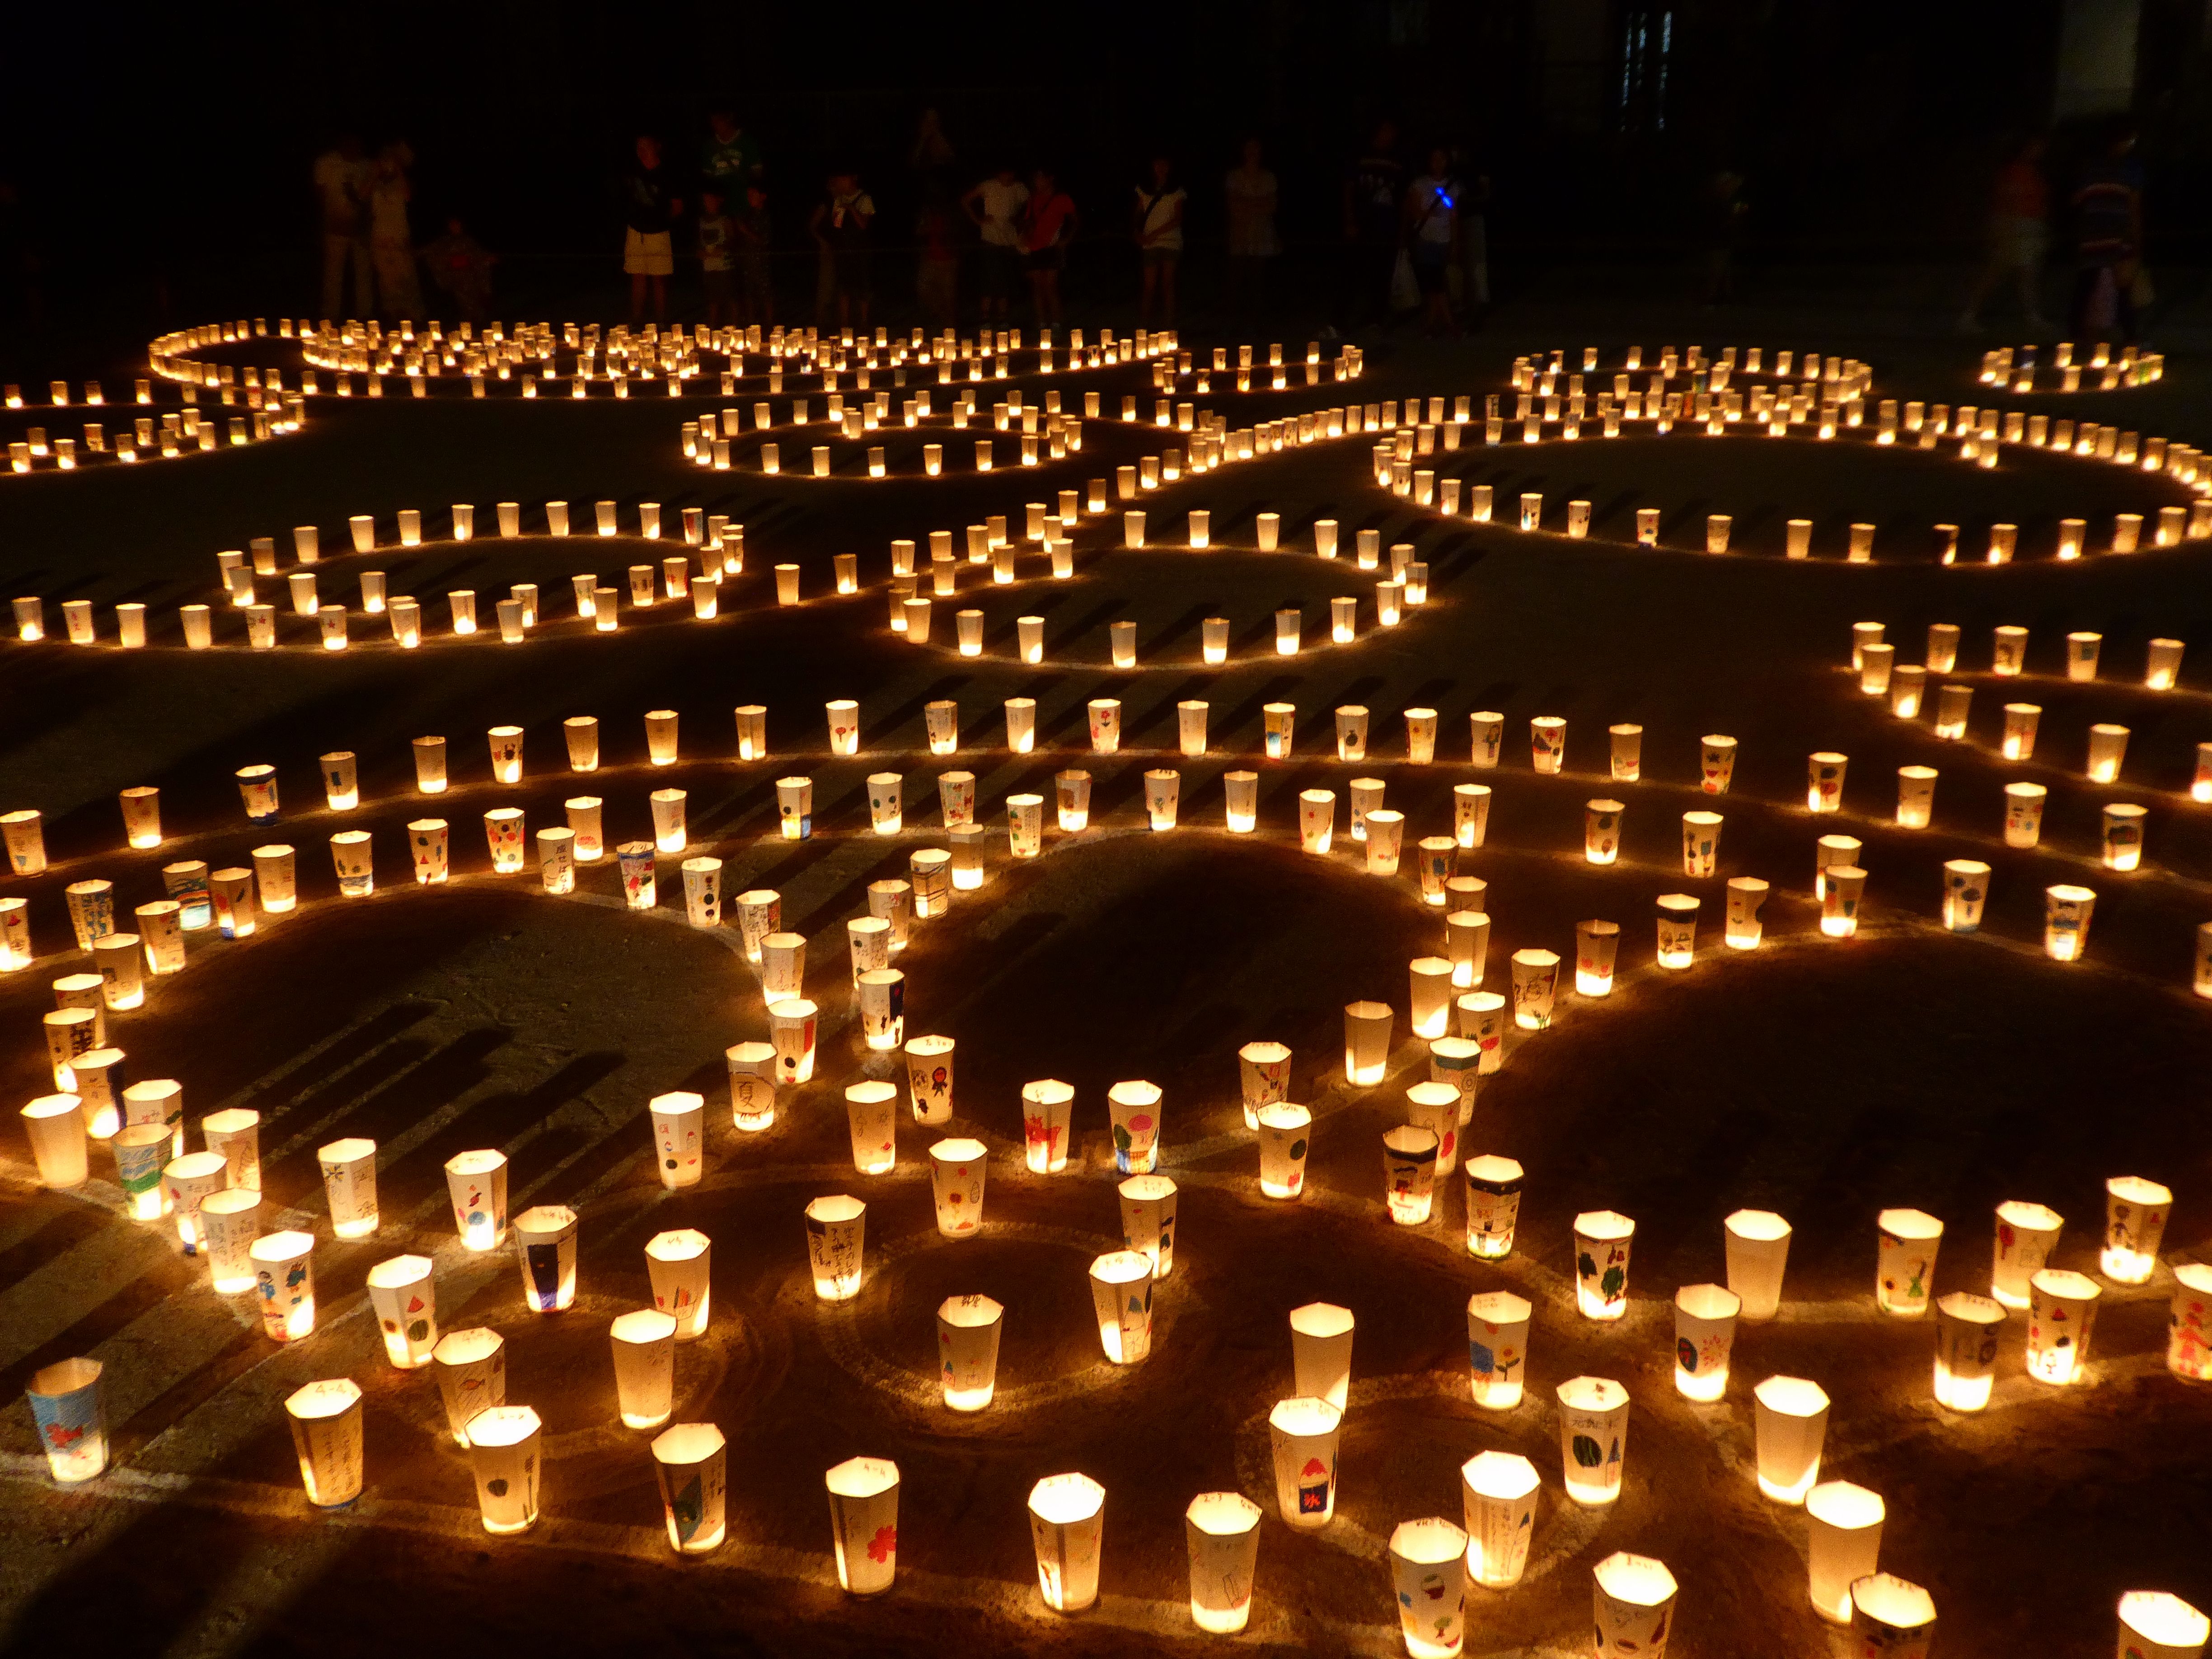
(1821, 1078)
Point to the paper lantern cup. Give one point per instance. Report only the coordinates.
(1890, 1618)
(2157, 1625)
(1148, 1219)
(1497, 1497)
(2023, 816)
(1320, 1352)
(403, 1295)
(470, 1367)
(158, 1104)
(2188, 1323)
(1367, 1027)
(835, 1230)
(1842, 1525)
(929, 1078)
(284, 1279)
(791, 1027)
(1285, 1133)
(56, 1125)
(1791, 1423)
(1535, 986)
(1428, 1572)
(644, 1344)
(477, 1184)
(1904, 1261)
(1967, 1329)
(503, 1444)
(1705, 1333)
(349, 1169)
(864, 1523)
(545, 1247)
(1481, 1016)
(1221, 1531)
(1635, 1605)
(2026, 1235)
(1758, 1249)
(1603, 1241)
(1133, 1108)
(1302, 1433)
(2134, 1224)
(690, 1462)
(1066, 1528)
(2061, 1314)
(1593, 1437)
(967, 1332)
(68, 1415)
(1497, 1348)
(326, 1433)
(229, 1222)
(1047, 1108)
(1121, 1297)
(752, 1070)
(142, 1151)
(1264, 1072)
(1409, 1172)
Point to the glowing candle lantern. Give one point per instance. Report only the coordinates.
(402, 1294)
(1593, 1437)
(691, 1463)
(504, 1453)
(1596, 945)
(71, 1423)
(835, 1228)
(1839, 904)
(1303, 1435)
(142, 1151)
(284, 1279)
(2108, 747)
(1635, 1604)
(2066, 913)
(1916, 796)
(2134, 1224)
(546, 1247)
(1264, 1072)
(1320, 1352)
(1285, 1132)
(1428, 1568)
(1716, 764)
(56, 1124)
(1602, 831)
(257, 788)
(1121, 1297)
(2026, 1235)
(1843, 1525)
(1908, 689)
(477, 1184)
(1134, 1108)
(1535, 986)
(1497, 1348)
(1067, 1530)
(1498, 1493)
(1603, 1241)
(1792, 1424)
(2124, 837)
(325, 1419)
(1824, 791)
(349, 1169)
(1892, 1617)
(1705, 1333)
(844, 719)
(2154, 1624)
(1367, 1027)
(1548, 742)
(1904, 1261)
(2162, 665)
(1409, 1171)
(1222, 1536)
(2023, 819)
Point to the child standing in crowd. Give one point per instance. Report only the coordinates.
(1157, 220)
(1048, 225)
(756, 298)
(461, 268)
(996, 207)
(650, 209)
(839, 225)
(717, 236)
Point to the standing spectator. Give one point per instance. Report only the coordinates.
(2020, 236)
(718, 235)
(650, 209)
(733, 158)
(1372, 191)
(461, 267)
(1048, 225)
(1722, 214)
(1157, 221)
(1432, 234)
(931, 158)
(839, 225)
(755, 294)
(937, 278)
(996, 206)
(2108, 201)
(1474, 243)
(1250, 190)
(342, 179)
(391, 241)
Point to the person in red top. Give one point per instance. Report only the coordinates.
(2020, 236)
(1048, 225)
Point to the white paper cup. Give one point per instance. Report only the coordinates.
(1791, 1425)
(1892, 1617)
(1497, 1348)
(1302, 1435)
(504, 1454)
(1285, 1132)
(470, 1367)
(690, 1462)
(1635, 1605)
(967, 1332)
(349, 1169)
(834, 1234)
(402, 1294)
(67, 1411)
(1704, 1333)
(284, 1281)
(1602, 1242)
(1428, 1568)
(1121, 1297)
(1842, 1528)
(326, 1434)
(2062, 1313)
(1758, 1249)
(1222, 1535)
(1497, 1497)
(1066, 1528)
(864, 1523)
(476, 1181)
(1593, 1437)
(546, 1247)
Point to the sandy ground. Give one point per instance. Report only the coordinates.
(1822, 1079)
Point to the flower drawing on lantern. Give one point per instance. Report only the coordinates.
(1042, 1132)
(1497, 1362)
(1125, 1134)
(2188, 1350)
(884, 1544)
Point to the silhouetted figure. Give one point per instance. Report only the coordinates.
(718, 233)
(1373, 187)
(2020, 236)
(1156, 220)
(1432, 236)
(651, 207)
(342, 180)
(1249, 192)
(1048, 225)
(391, 239)
(841, 224)
(997, 206)
(460, 267)
(2107, 204)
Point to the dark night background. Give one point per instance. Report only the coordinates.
(160, 157)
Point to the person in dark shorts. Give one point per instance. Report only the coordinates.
(841, 225)
(1048, 225)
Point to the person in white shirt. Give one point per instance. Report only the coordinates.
(995, 206)
(1432, 210)
(342, 174)
(1157, 222)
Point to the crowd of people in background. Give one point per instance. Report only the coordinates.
(996, 247)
